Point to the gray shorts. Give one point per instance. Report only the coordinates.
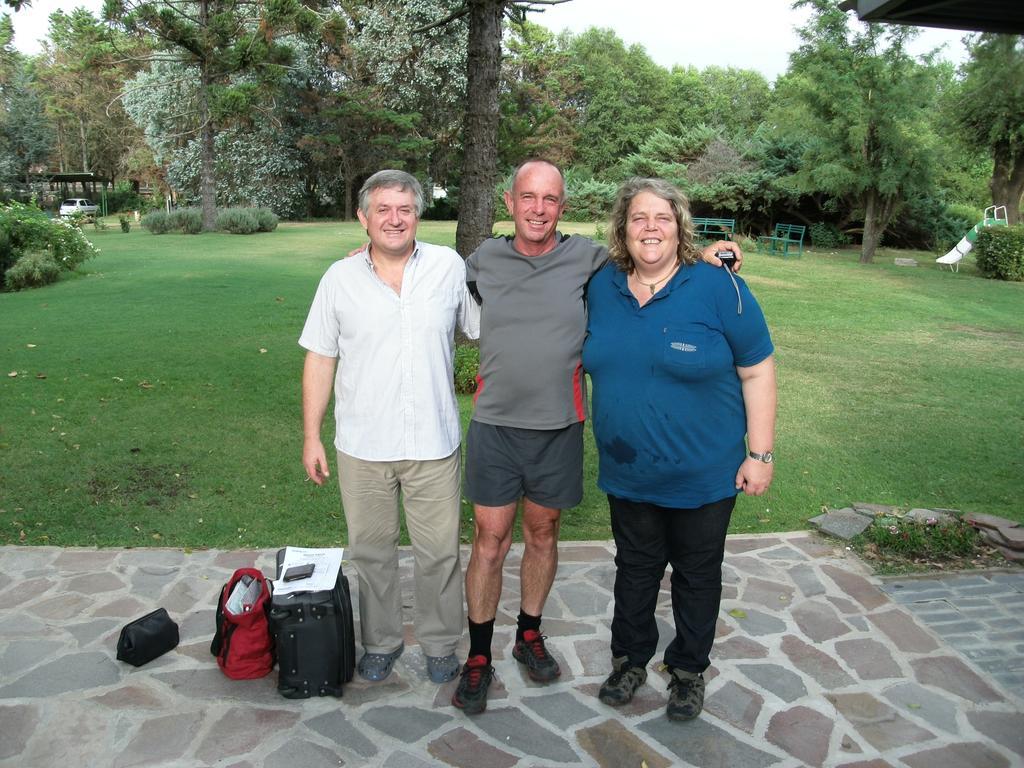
(503, 464)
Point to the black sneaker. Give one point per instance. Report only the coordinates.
(685, 694)
(471, 693)
(622, 683)
(530, 651)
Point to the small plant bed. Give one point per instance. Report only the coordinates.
(898, 544)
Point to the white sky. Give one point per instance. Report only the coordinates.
(749, 34)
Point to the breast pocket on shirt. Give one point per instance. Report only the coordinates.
(685, 346)
(436, 312)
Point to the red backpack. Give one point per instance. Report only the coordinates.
(242, 643)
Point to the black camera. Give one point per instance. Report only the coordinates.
(728, 258)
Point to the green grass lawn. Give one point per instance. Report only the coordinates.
(157, 395)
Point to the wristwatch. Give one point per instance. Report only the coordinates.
(767, 457)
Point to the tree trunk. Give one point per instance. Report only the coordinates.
(878, 212)
(85, 151)
(1007, 183)
(872, 231)
(207, 179)
(480, 140)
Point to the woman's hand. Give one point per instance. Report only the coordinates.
(708, 254)
(754, 477)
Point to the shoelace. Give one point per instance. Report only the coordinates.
(684, 686)
(536, 646)
(474, 674)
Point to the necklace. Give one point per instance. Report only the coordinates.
(653, 286)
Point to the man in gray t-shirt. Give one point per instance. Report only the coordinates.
(525, 440)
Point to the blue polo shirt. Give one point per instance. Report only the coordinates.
(668, 409)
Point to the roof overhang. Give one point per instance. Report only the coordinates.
(1003, 16)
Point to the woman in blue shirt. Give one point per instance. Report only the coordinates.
(684, 393)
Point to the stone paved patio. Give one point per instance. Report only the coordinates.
(816, 663)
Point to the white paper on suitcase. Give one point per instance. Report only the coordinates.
(327, 563)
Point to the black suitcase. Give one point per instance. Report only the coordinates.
(315, 639)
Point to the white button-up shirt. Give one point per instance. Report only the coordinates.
(394, 393)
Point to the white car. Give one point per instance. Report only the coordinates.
(79, 205)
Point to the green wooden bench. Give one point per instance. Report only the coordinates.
(785, 236)
(706, 230)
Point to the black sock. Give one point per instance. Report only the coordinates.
(524, 622)
(480, 638)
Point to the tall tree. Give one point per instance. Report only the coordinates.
(861, 105)
(25, 134)
(391, 65)
(83, 71)
(234, 47)
(480, 133)
(622, 99)
(989, 110)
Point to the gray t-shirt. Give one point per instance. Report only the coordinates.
(533, 321)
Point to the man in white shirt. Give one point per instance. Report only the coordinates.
(389, 314)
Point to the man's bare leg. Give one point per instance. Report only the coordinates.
(540, 555)
(492, 537)
(540, 561)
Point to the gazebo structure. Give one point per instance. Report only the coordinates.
(1003, 16)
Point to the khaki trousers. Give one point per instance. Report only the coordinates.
(429, 491)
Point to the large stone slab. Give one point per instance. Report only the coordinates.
(612, 746)
(857, 587)
(241, 729)
(19, 722)
(300, 753)
(514, 729)
(813, 662)
(772, 595)
(735, 705)
(801, 732)
(463, 749)
(583, 600)
(776, 679)
(75, 672)
(876, 722)
(842, 523)
(904, 632)
(819, 621)
(161, 740)
(955, 676)
(806, 579)
(972, 755)
(912, 699)
(407, 724)
(738, 648)
(339, 729)
(868, 658)
(701, 743)
(562, 710)
(1005, 728)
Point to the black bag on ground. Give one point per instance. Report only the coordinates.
(144, 639)
(315, 639)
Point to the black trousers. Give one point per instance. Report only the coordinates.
(647, 538)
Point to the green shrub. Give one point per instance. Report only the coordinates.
(188, 220)
(32, 270)
(156, 222)
(467, 364)
(237, 221)
(999, 252)
(124, 198)
(910, 538)
(266, 219)
(827, 235)
(589, 199)
(25, 228)
(126, 225)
